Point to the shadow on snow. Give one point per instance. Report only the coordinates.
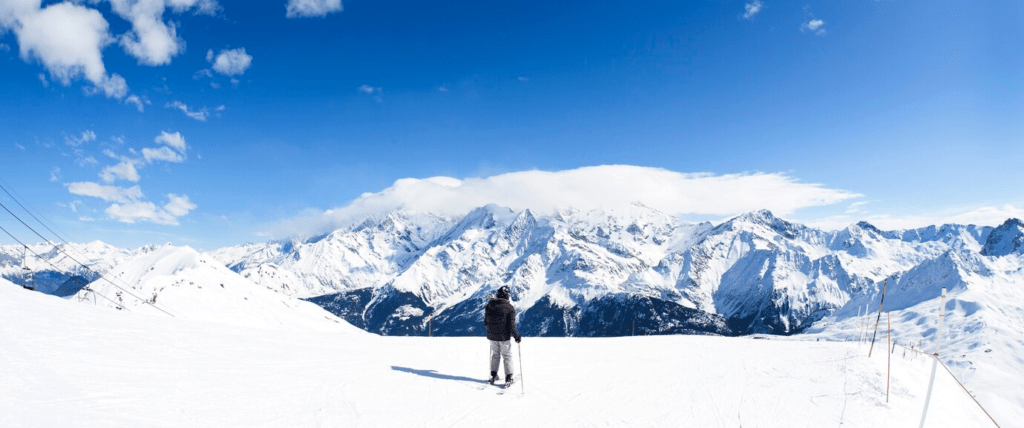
(434, 374)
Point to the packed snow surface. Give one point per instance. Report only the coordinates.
(63, 363)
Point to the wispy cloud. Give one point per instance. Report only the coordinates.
(75, 141)
(600, 187)
(814, 26)
(982, 216)
(124, 170)
(312, 8)
(751, 9)
(168, 214)
(129, 204)
(105, 192)
(139, 103)
(199, 115)
(376, 91)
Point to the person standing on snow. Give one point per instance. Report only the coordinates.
(500, 320)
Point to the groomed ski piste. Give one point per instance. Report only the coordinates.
(63, 363)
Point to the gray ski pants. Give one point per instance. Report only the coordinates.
(501, 349)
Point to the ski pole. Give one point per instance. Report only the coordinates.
(521, 386)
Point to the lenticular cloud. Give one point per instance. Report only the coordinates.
(608, 187)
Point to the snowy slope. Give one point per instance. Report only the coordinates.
(65, 364)
(982, 335)
(192, 286)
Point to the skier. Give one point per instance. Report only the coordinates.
(500, 320)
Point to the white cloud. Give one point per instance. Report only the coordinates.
(367, 89)
(175, 140)
(87, 136)
(600, 187)
(128, 204)
(124, 170)
(204, 73)
(232, 62)
(856, 207)
(177, 206)
(88, 160)
(139, 211)
(151, 40)
(161, 154)
(199, 115)
(139, 103)
(55, 175)
(984, 216)
(5, 47)
(814, 26)
(751, 9)
(312, 8)
(107, 193)
(113, 86)
(67, 39)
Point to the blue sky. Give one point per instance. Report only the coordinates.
(211, 123)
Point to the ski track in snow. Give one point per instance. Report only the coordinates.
(67, 364)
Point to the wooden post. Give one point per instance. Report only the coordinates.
(880, 302)
(888, 369)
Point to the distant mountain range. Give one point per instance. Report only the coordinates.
(608, 273)
(578, 273)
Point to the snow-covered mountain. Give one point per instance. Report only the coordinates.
(362, 256)
(47, 267)
(181, 282)
(600, 272)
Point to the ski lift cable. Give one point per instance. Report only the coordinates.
(120, 306)
(76, 261)
(15, 199)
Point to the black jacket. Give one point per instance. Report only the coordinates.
(500, 319)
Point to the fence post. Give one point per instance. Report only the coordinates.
(935, 356)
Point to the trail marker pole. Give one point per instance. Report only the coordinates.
(522, 385)
(935, 356)
(888, 369)
(864, 324)
(880, 302)
(860, 322)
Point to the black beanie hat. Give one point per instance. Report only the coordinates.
(503, 292)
